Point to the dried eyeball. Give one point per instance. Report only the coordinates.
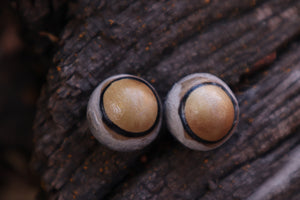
(124, 113)
(201, 111)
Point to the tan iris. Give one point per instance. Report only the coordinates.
(209, 112)
(131, 105)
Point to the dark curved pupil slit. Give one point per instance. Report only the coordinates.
(115, 127)
(185, 123)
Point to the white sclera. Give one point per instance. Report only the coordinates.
(215, 109)
(136, 112)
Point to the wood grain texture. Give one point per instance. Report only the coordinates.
(252, 45)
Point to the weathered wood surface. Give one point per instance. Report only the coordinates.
(252, 45)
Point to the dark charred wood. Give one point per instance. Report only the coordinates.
(252, 45)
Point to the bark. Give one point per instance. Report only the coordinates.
(252, 45)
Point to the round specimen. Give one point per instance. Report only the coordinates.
(209, 112)
(201, 111)
(130, 105)
(124, 113)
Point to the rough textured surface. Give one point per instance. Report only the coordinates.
(252, 45)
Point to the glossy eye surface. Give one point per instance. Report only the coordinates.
(201, 111)
(124, 113)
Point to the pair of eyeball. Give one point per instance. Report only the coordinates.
(125, 112)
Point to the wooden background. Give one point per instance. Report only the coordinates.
(253, 45)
